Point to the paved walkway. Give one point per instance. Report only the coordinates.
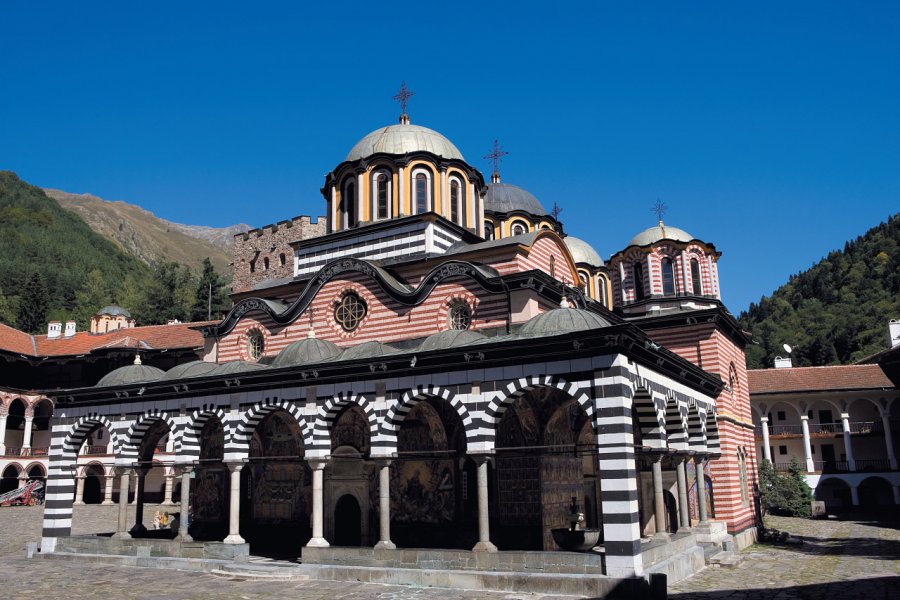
(838, 560)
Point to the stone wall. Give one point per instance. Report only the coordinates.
(265, 253)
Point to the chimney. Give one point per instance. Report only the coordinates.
(54, 328)
(70, 329)
(783, 363)
(894, 327)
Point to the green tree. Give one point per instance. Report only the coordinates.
(33, 307)
(784, 493)
(212, 298)
(169, 296)
(9, 308)
(92, 296)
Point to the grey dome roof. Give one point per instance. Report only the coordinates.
(195, 368)
(582, 252)
(403, 138)
(306, 351)
(113, 310)
(505, 197)
(371, 349)
(660, 232)
(130, 374)
(236, 366)
(562, 320)
(450, 339)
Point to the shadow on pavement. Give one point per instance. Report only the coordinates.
(876, 588)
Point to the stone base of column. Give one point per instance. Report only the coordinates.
(234, 539)
(385, 545)
(664, 536)
(318, 543)
(167, 503)
(107, 503)
(484, 547)
(183, 538)
(121, 535)
(78, 503)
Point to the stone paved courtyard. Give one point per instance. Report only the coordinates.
(837, 560)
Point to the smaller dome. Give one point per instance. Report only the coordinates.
(562, 320)
(401, 139)
(306, 351)
(114, 310)
(367, 350)
(130, 374)
(450, 339)
(195, 368)
(658, 233)
(582, 252)
(236, 366)
(505, 198)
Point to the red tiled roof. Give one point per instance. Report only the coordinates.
(152, 337)
(16, 341)
(803, 379)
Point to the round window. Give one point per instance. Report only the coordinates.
(350, 311)
(255, 344)
(460, 315)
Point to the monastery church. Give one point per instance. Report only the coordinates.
(434, 364)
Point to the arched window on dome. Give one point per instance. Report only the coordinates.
(348, 204)
(488, 231)
(583, 278)
(668, 277)
(518, 228)
(637, 271)
(457, 202)
(381, 195)
(422, 197)
(696, 281)
(601, 290)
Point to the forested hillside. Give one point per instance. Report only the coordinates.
(835, 312)
(53, 266)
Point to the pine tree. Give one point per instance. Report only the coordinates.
(32, 317)
(8, 309)
(212, 299)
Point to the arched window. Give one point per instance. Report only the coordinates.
(638, 273)
(420, 187)
(381, 199)
(348, 204)
(696, 282)
(518, 228)
(454, 201)
(488, 231)
(601, 290)
(584, 281)
(668, 277)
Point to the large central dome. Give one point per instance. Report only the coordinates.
(403, 138)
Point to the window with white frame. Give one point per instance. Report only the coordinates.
(668, 276)
(381, 194)
(422, 200)
(518, 228)
(696, 282)
(348, 204)
(455, 200)
(488, 231)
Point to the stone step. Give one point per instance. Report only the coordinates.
(725, 558)
(263, 571)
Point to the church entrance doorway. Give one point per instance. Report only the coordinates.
(545, 456)
(276, 489)
(347, 522)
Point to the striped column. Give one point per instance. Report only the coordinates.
(60, 489)
(618, 472)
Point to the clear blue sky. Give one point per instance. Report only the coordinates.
(771, 130)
